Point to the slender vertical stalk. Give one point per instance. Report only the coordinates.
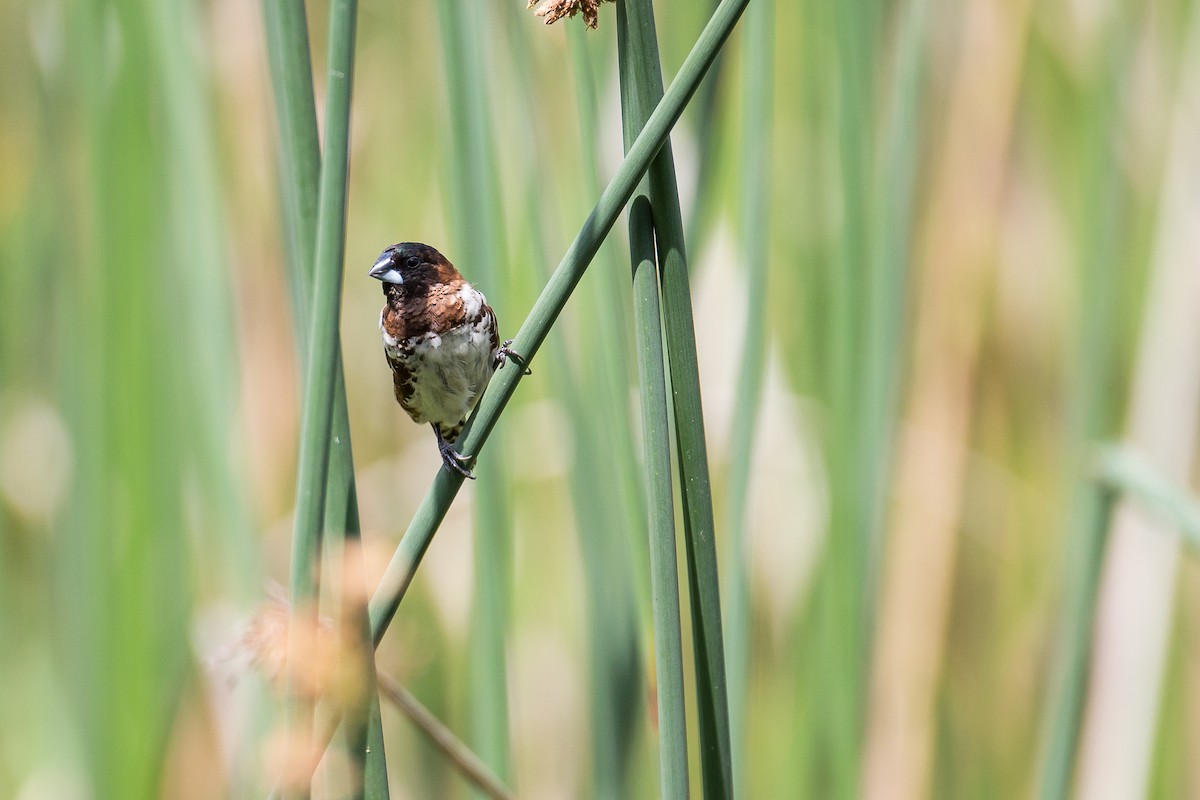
(609, 499)
(641, 89)
(885, 332)
(609, 315)
(300, 150)
(755, 169)
(664, 573)
(604, 479)
(706, 123)
(1092, 419)
(197, 231)
(853, 523)
(300, 166)
(1090, 529)
(863, 488)
(321, 375)
(121, 564)
(478, 225)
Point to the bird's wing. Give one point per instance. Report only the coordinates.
(402, 385)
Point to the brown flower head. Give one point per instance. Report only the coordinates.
(328, 660)
(554, 10)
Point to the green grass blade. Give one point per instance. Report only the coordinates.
(121, 569)
(707, 111)
(616, 688)
(603, 476)
(755, 168)
(1092, 418)
(197, 230)
(1090, 531)
(885, 331)
(641, 88)
(609, 317)
(549, 305)
(300, 149)
(300, 166)
(477, 222)
(846, 581)
(321, 375)
(616, 691)
(664, 572)
(612, 374)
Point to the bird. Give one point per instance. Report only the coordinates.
(441, 340)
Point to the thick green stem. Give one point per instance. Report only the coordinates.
(300, 166)
(641, 88)
(664, 571)
(321, 376)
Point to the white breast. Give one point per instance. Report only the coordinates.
(451, 370)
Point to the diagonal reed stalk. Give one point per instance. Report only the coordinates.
(291, 70)
(549, 305)
(641, 88)
(664, 571)
(469, 765)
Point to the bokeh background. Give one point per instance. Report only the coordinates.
(979, 232)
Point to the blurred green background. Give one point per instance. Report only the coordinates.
(968, 230)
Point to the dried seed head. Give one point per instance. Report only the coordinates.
(554, 10)
(327, 662)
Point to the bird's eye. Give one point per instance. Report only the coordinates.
(413, 261)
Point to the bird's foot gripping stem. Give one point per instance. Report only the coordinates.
(505, 353)
(454, 460)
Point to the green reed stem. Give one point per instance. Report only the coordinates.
(1093, 418)
(755, 170)
(664, 571)
(641, 88)
(479, 232)
(288, 49)
(604, 473)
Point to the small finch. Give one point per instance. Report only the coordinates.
(440, 339)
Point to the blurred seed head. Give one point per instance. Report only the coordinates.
(329, 661)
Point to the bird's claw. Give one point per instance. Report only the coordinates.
(505, 352)
(454, 460)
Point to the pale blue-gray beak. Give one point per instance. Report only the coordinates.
(385, 270)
